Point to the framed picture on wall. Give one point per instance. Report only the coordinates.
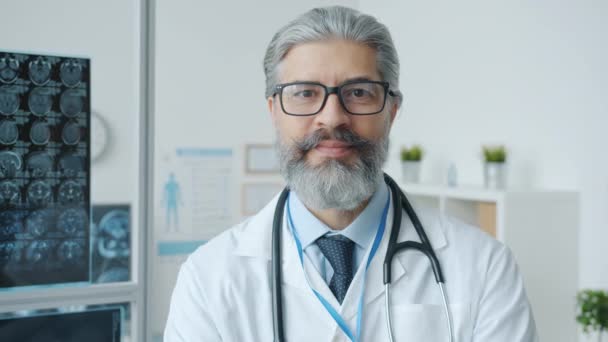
(261, 159)
(254, 196)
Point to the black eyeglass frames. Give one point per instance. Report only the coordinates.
(360, 97)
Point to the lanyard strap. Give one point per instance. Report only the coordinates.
(330, 309)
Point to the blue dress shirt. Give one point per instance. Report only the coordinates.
(361, 231)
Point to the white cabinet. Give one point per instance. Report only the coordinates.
(540, 227)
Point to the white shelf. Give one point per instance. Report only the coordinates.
(464, 192)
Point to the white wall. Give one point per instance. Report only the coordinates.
(209, 78)
(107, 32)
(530, 75)
(209, 88)
(109, 36)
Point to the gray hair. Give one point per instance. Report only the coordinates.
(334, 22)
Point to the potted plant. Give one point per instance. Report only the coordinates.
(410, 163)
(495, 174)
(593, 311)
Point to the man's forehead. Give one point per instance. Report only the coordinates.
(329, 61)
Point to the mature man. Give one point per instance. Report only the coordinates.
(332, 80)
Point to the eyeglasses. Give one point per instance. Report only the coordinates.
(356, 97)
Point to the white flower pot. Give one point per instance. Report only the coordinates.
(495, 175)
(410, 171)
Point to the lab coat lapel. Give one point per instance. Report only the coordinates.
(293, 272)
(255, 234)
(250, 244)
(374, 286)
(373, 280)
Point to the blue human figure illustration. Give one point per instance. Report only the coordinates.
(170, 200)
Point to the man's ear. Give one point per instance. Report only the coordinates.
(271, 111)
(393, 110)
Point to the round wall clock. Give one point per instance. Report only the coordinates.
(99, 136)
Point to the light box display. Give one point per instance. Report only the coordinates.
(44, 169)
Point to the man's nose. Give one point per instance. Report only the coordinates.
(333, 115)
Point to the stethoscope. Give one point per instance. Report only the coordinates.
(393, 248)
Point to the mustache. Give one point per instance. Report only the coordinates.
(342, 134)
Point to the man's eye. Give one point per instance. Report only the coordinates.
(358, 93)
(305, 93)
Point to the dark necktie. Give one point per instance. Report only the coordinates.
(338, 250)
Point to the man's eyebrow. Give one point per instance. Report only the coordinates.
(350, 79)
(358, 78)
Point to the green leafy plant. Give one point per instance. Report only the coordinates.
(495, 154)
(593, 310)
(411, 154)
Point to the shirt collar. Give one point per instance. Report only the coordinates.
(361, 230)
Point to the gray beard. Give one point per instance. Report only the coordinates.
(333, 183)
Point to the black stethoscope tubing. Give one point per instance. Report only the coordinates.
(401, 203)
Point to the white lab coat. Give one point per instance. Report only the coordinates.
(223, 289)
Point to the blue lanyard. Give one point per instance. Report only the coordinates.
(333, 312)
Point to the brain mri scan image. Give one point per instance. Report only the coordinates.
(70, 72)
(71, 133)
(9, 193)
(10, 224)
(111, 243)
(70, 165)
(38, 251)
(113, 240)
(114, 274)
(11, 251)
(39, 193)
(9, 132)
(39, 164)
(10, 163)
(70, 192)
(40, 101)
(38, 222)
(73, 221)
(40, 133)
(71, 103)
(40, 71)
(9, 100)
(9, 68)
(45, 234)
(70, 251)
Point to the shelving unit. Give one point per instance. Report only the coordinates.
(539, 226)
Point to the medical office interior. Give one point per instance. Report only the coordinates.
(132, 132)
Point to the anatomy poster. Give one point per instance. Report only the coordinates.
(195, 194)
(195, 202)
(44, 169)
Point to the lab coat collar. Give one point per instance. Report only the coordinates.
(255, 234)
(255, 240)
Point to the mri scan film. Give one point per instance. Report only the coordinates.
(44, 170)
